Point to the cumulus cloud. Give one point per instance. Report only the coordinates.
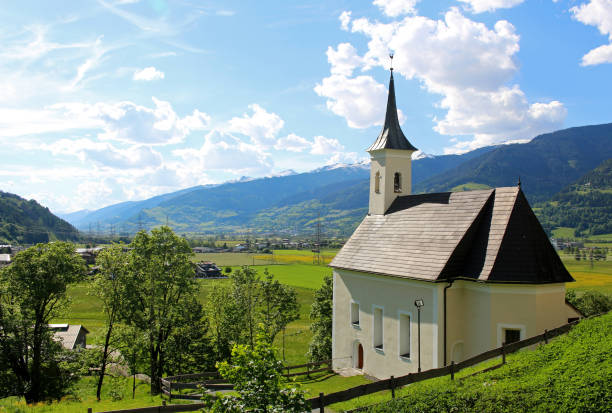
(222, 151)
(395, 8)
(359, 100)
(260, 126)
(148, 74)
(292, 143)
(106, 154)
(325, 146)
(469, 64)
(132, 123)
(480, 6)
(345, 19)
(596, 13)
(344, 59)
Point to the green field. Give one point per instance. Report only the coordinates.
(223, 259)
(598, 277)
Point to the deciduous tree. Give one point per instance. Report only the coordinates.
(321, 327)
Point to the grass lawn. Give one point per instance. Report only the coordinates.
(563, 232)
(223, 259)
(85, 396)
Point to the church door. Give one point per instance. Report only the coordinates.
(360, 357)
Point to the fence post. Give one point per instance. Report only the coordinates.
(89, 410)
(452, 369)
(545, 338)
(504, 352)
(392, 387)
(321, 405)
(308, 370)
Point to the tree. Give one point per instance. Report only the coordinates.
(321, 327)
(278, 305)
(245, 295)
(160, 289)
(109, 286)
(257, 377)
(590, 302)
(32, 293)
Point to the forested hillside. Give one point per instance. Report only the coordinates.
(585, 205)
(545, 165)
(27, 222)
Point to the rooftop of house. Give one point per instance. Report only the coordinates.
(67, 333)
(486, 235)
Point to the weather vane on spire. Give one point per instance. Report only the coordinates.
(391, 57)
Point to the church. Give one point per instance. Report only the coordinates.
(432, 278)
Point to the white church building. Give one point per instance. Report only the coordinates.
(476, 267)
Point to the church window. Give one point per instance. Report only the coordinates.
(377, 182)
(378, 328)
(404, 335)
(512, 335)
(397, 182)
(355, 314)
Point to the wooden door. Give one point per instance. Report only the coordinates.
(360, 357)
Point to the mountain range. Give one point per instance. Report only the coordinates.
(338, 194)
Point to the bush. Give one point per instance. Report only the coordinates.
(590, 303)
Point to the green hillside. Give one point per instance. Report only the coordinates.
(585, 205)
(545, 165)
(573, 373)
(27, 222)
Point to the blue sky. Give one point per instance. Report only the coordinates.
(113, 100)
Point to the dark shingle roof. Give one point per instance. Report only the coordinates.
(489, 235)
(391, 136)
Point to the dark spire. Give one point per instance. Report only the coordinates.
(519, 182)
(391, 136)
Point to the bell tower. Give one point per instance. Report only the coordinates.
(390, 160)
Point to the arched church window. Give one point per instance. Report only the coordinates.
(377, 182)
(397, 182)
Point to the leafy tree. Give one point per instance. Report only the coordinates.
(590, 302)
(321, 327)
(109, 286)
(32, 293)
(160, 289)
(188, 348)
(278, 305)
(257, 377)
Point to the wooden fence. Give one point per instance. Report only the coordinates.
(213, 382)
(394, 382)
(319, 402)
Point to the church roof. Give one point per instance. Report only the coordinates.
(391, 136)
(488, 235)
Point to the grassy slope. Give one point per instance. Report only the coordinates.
(572, 373)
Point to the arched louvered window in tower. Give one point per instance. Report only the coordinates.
(397, 182)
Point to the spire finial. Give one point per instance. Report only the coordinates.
(519, 182)
(391, 57)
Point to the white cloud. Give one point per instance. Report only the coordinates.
(480, 6)
(360, 100)
(292, 143)
(261, 126)
(106, 154)
(224, 152)
(345, 19)
(148, 74)
(325, 146)
(131, 123)
(344, 59)
(470, 65)
(596, 13)
(395, 8)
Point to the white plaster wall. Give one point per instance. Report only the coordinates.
(395, 296)
(388, 162)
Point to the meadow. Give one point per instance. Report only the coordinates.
(305, 278)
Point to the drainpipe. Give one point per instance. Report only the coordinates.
(450, 284)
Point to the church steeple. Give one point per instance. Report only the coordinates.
(390, 160)
(391, 136)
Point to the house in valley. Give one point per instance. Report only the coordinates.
(477, 263)
(72, 336)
